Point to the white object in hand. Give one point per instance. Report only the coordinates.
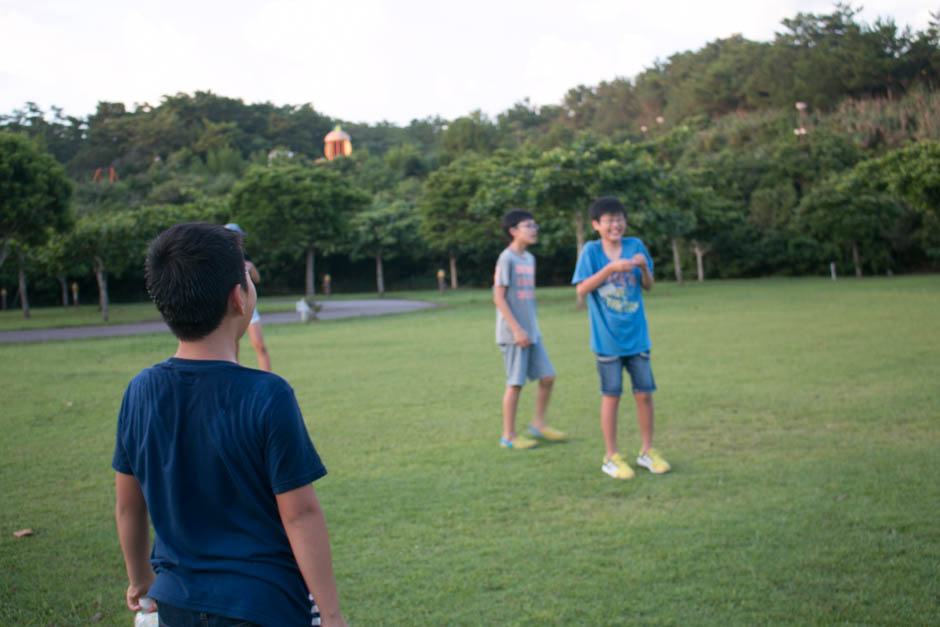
(143, 618)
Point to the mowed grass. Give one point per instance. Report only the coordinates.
(802, 419)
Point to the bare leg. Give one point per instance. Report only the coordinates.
(510, 402)
(609, 406)
(542, 394)
(644, 416)
(257, 341)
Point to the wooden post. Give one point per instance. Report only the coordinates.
(3, 298)
(327, 280)
(440, 282)
(75, 294)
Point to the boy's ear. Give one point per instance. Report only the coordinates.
(238, 299)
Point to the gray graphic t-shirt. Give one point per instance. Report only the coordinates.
(517, 274)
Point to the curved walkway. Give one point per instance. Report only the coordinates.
(329, 311)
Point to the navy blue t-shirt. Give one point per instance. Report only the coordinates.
(211, 443)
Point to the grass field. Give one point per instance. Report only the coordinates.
(802, 419)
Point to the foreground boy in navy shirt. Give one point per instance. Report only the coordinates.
(219, 456)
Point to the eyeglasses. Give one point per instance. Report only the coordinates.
(529, 225)
(609, 220)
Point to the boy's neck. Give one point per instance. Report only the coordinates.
(612, 247)
(217, 346)
(518, 246)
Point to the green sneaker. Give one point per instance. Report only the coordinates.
(617, 468)
(652, 460)
(521, 442)
(548, 433)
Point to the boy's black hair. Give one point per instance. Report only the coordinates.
(606, 205)
(514, 217)
(190, 271)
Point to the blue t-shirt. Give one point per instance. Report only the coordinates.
(618, 320)
(211, 443)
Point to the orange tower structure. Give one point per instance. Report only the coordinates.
(337, 143)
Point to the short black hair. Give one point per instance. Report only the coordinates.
(190, 271)
(512, 218)
(606, 205)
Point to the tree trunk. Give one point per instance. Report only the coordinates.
(700, 252)
(579, 242)
(102, 278)
(453, 271)
(676, 261)
(24, 301)
(310, 291)
(856, 260)
(3, 249)
(65, 289)
(379, 274)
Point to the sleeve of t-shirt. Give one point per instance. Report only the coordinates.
(292, 461)
(503, 276)
(119, 461)
(584, 268)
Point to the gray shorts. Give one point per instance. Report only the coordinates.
(531, 362)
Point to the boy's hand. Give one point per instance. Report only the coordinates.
(639, 260)
(621, 265)
(134, 592)
(521, 338)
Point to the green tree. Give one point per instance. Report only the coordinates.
(384, 231)
(34, 196)
(296, 209)
(451, 223)
(911, 176)
(110, 244)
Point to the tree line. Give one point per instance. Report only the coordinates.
(740, 159)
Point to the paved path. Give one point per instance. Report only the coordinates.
(330, 310)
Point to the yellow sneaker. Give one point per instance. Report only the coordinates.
(548, 433)
(652, 460)
(617, 468)
(521, 442)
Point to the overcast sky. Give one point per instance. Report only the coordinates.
(365, 60)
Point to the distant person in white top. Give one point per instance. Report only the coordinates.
(254, 328)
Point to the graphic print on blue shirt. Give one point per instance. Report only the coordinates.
(615, 309)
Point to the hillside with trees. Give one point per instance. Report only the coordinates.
(740, 159)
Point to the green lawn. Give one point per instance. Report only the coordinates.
(802, 419)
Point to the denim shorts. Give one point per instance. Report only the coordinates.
(175, 617)
(610, 368)
(531, 362)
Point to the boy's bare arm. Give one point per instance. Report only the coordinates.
(518, 333)
(305, 525)
(646, 277)
(597, 279)
(133, 525)
(253, 272)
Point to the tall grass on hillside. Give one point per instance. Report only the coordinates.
(800, 416)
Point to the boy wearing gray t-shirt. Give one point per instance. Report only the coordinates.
(518, 334)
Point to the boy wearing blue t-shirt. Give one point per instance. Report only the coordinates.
(219, 458)
(518, 334)
(612, 272)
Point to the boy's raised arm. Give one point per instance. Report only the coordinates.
(133, 525)
(597, 279)
(305, 525)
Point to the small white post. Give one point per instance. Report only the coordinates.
(832, 269)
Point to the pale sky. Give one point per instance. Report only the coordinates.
(365, 60)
